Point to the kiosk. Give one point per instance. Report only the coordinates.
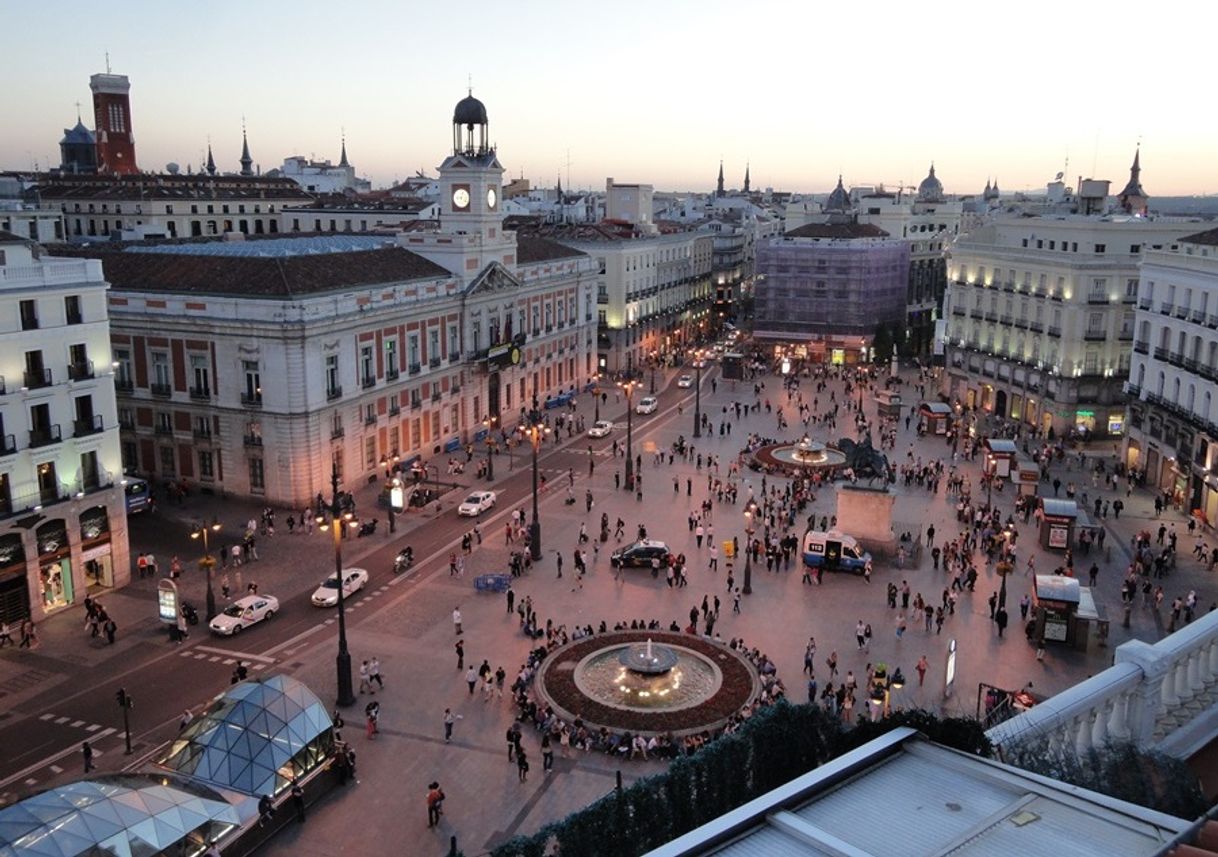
(1026, 476)
(1057, 519)
(934, 417)
(1054, 605)
(1000, 456)
(888, 403)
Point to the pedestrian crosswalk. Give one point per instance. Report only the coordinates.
(70, 722)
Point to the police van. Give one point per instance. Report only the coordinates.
(835, 551)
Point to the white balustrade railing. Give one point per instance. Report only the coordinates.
(1150, 692)
(57, 273)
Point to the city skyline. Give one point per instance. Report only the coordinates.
(659, 98)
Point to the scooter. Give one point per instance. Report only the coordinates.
(404, 560)
(190, 613)
(366, 528)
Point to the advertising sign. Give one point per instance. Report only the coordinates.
(1059, 536)
(950, 673)
(167, 601)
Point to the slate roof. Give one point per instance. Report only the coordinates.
(530, 250)
(1209, 237)
(283, 278)
(195, 186)
(837, 230)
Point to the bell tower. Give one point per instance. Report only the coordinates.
(112, 119)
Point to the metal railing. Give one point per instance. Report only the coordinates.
(251, 400)
(252, 440)
(88, 426)
(81, 371)
(8, 444)
(44, 436)
(368, 381)
(37, 378)
(333, 393)
(200, 394)
(164, 391)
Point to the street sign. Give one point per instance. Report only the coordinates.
(167, 601)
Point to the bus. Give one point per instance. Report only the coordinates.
(139, 494)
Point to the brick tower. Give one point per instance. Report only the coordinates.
(112, 118)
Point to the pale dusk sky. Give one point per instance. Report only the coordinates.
(652, 92)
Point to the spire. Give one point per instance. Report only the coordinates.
(1133, 199)
(719, 185)
(247, 163)
(342, 162)
(559, 194)
(211, 162)
(746, 177)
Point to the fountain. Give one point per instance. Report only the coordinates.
(625, 680)
(806, 454)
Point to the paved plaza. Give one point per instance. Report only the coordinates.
(406, 622)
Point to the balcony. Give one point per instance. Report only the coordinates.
(1095, 335)
(203, 435)
(435, 397)
(1181, 312)
(1211, 321)
(1097, 298)
(87, 426)
(82, 371)
(368, 381)
(75, 317)
(958, 310)
(1036, 327)
(1125, 336)
(991, 316)
(164, 428)
(1021, 323)
(123, 384)
(1142, 347)
(254, 440)
(8, 444)
(1197, 317)
(1165, 308)
(44, 436)
(975, 313)
(1161, 354)
(392, 373)
(1055, 332)
(454, 356)
(252, 400)
(1175, 359)
(1145, 303)
(333, 393)
(200, 394)
(415, 368)
(434, 362)
(394, 408)
(415, 403)
(126, 423)
(164, 391)
(1006, 319)
(336, 432)
(37, 378)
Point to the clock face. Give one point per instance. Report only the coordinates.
(492, 196)
(515, 356)
(460, 198)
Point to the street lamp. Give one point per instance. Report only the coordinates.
(629, 386)
(336, 522)
(748, 548)
(535, 430)
(596, 397)
(698, 399)
(653, 371)
(489, 422)
(207, 563)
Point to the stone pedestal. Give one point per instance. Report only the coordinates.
(866, 514)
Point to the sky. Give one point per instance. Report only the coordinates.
(655, 92)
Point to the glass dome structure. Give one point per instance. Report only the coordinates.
(255, 738)
(122, 815)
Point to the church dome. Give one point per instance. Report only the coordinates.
(80, 135)
(839, 200)
(931, 189)
(469, 111)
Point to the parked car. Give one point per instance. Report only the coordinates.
(600, 429)
(244, 612)
(647, 405)
(477, 503)
(354, 579)
(640, 554)
(685, 381)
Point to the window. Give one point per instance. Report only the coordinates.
(122, 356)
(412, 351)
(71, 306)
(366, 366)
(332, 385)
(168, 462)
(433, 346)
(201, 373)
(253, 383)
(201, 426)
(257, 479)
(206, 468)
(370, 452)
(453, 344)
(160, 369)
(29, 315)
(391, 358)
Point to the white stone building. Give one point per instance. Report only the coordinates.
(1173, 379)
(63, 517)
(1040, 314)
(323, 177)
(42, 225)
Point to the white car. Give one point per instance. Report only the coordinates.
(354, 579)
(600, 429)
(647, 405)
(477, 503)
(685, 381)
(244, 612)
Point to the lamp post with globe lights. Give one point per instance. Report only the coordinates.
(207, 563)
(535, 429)
(698, 399)
(629, 386)
(335, 523)
(749, 512)
(489, 423)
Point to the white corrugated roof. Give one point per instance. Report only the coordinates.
(902, 796)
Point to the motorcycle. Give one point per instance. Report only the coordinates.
(404, 560)
(366, 528)
(190, 613)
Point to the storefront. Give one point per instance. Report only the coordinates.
(14, 588)
(96, 558)
(54, 565)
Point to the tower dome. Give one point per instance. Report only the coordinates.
(931, 189)
(469, 111)
(839, 199)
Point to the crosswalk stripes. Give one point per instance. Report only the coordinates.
(70, 722)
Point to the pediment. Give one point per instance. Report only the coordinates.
(494, 278)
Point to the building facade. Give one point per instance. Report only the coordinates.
(253, 367)
(112, 119)
(1173, 378)
(823, 289)
(63, 514)
(1040, 315)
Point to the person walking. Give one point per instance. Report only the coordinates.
(547, 754)
(460, 649)
(457, 620)
(372, 713)
(86, 750)
(522, 765)
(471, 678)
(298, 801)
(922, 666)
(435, 801)
(449, 720)
(374, 674)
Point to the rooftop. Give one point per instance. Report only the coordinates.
(1209, 237)
(837, 230)
(530, 250)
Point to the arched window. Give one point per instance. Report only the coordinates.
(1162, 381)
(1141, 374)
(1175, 390)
